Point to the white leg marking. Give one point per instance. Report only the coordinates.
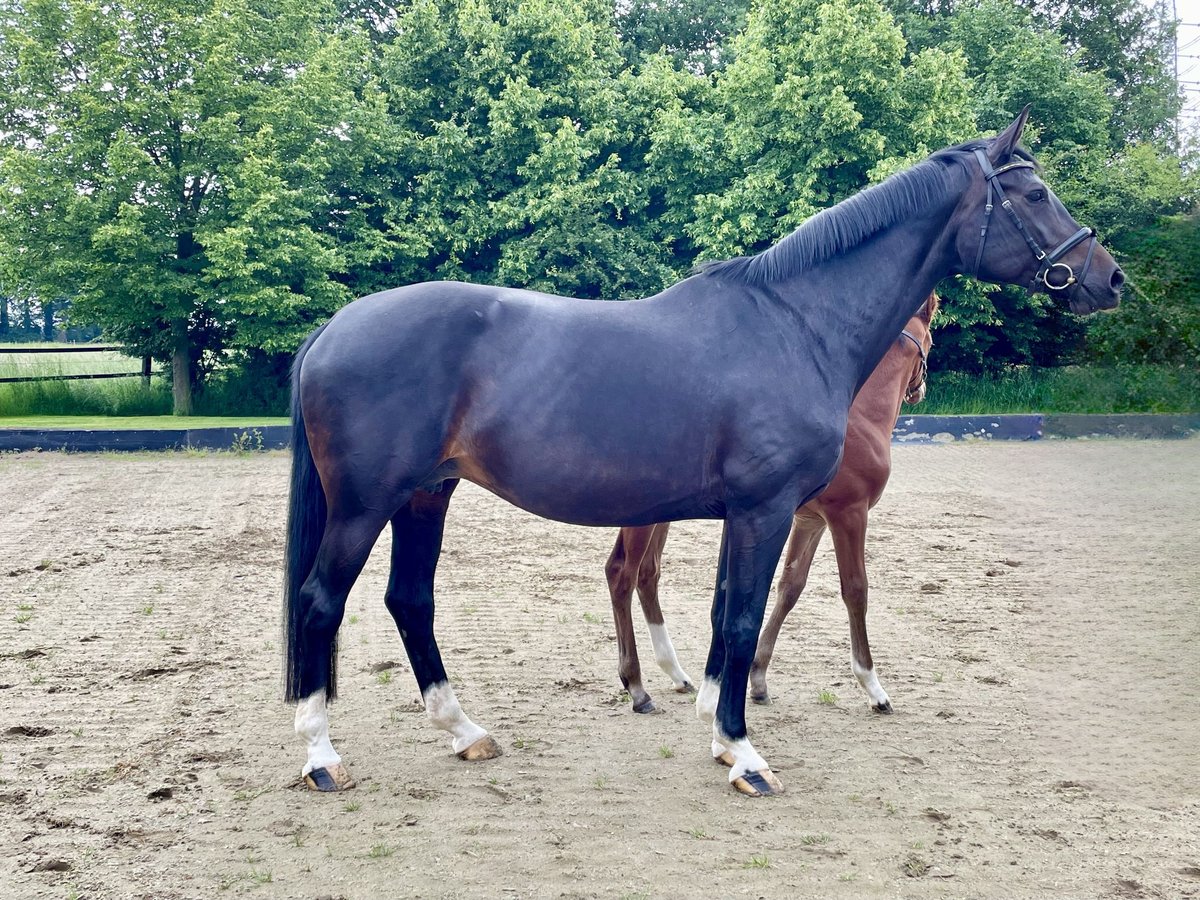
(870, 682)
(745, 757)
(312, 724)
(706, 700)
(664, 654)
(444, 712)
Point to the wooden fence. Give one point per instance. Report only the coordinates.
(144, 374)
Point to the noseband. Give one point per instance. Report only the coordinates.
(1049, 261)
(908, 394)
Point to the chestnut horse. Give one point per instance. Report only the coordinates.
(636, 558)
(631, 413)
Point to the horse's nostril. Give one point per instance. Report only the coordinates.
(1118, 279)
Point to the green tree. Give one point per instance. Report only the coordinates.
(177, 168)
(1159, 318)
(513, 151)
(693, 33)
(1131, 44)
(818, 100)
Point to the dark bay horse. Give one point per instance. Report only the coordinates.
(636, 558)
(616, 414)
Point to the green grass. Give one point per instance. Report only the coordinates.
(1070, 389)
(139, 422)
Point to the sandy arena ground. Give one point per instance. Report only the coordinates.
(1035, 617)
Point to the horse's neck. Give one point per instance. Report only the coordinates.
(877, 405)
(861, 299)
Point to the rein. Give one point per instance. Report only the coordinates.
(912, 389)
(1049, 261)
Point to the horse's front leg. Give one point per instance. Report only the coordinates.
(752, 544)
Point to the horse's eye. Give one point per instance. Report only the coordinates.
(1036, 196)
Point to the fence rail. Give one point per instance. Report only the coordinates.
(65, 348)
(146, 372)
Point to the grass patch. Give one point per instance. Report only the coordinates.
(137, 422)
(1069, 389)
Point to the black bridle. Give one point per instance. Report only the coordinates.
(910, 391)
(1049, 261)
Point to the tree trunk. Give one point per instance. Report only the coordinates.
(4, 326)
(47, 321)
(181, 370)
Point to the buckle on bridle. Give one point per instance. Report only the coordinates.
(1045, 276)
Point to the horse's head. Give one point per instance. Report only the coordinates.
(1030, 239)
(918, 336)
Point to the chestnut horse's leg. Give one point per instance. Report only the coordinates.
(622, 572)
(647, 588)
(807, 530)
(344, 549)
(751, 547)
(848, 526)
(416, 544)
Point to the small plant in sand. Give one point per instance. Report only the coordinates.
(591, 618)
(250, 441)
(937, 677)
(665, 752)
(757, 861)
(257, 877)
(352, 806)
(24, 607)
(848, 876)
(914, 866)
(23, 617)
(380, 851)
(812, 840)
(147, 609)
(600, 782)
(353, 620)
(827, 698)
(384, 677)
(700, 834)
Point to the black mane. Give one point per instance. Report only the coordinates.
(847, 224)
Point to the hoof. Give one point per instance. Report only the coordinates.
(725, 759)
(884, 709)
(484, 748)
(645, 707)
(761, 699)
(759, 784)
(686, 688)
(329, 778)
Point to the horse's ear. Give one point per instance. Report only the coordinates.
(1006, 141)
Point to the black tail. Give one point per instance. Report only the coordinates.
(305, 528)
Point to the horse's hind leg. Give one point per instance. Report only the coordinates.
(647, 588)
(344, 549)
(807, 530)
(621, 570)
(416, 544)
(849, 529)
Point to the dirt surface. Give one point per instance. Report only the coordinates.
(1035, 617)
